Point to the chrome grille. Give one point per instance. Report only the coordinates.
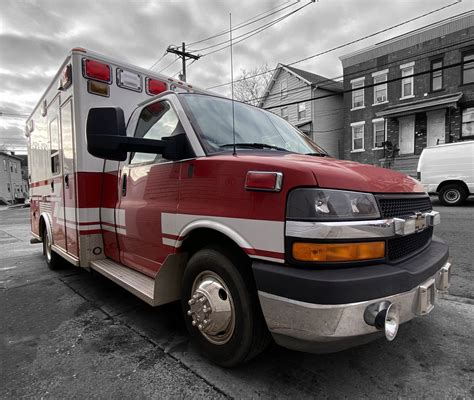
(404, 246)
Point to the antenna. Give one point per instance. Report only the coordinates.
(232, 81)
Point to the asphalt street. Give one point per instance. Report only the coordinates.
(75, 334)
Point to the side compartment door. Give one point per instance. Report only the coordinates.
(69, 178)
(56, 196)
(149, 188)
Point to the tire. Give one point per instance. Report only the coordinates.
(452, 195)
(53, 260)
(229, 285)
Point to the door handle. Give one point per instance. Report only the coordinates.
(66, 181)
(124, 184)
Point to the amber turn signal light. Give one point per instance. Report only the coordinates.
(333, 252)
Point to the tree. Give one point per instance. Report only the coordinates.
(250, 85)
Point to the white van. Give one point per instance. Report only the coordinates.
(448, 170)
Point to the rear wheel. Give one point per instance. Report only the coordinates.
(52, 259)
(221, 308)
(452, 195)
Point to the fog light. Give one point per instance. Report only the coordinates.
(392, 321)
(329, 252)
(384, 315)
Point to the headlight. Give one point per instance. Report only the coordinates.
(331, 205)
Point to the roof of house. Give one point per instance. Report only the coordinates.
(412, 38)
(315, 80)
(10, 155)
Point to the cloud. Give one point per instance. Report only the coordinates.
(35, 36)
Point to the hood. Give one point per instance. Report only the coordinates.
(332, 173)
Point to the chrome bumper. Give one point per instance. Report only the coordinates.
(381, 228)
(324, 328)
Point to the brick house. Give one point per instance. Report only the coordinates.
(320, 118)
(414, 91)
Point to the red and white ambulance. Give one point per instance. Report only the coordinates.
(177, 194)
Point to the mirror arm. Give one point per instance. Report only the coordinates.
(140, 145)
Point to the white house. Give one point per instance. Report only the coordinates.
(12, 187)
(310, 102)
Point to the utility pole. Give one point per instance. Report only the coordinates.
(184, 55)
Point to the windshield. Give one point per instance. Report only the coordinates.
(254, 128)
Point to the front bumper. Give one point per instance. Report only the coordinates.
(300, 323)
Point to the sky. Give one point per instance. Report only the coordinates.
(36, 35)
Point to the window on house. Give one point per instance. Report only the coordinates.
(54, 150)
(468, 67)
(358, 94)
(8, 186)
(11, 166)
(283, 88)
(407, 83)
(379, 132)
(4, 164)
(284, 113)
(380, 88)
(467, 128)
(301, 110)
(436, 76)
(16, 167)
(358, 136)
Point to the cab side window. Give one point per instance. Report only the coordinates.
(158, 120)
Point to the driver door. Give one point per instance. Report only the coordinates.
(149, 187)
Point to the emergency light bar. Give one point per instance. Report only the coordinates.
(154, 86)
(96, 70)
(66, 78)
(129, 80)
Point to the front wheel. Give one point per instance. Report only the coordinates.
(221, 308)
(452, 195)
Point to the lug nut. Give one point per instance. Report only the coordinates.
(200, 327)
(193, 323)
(191, 302)
(190, 312)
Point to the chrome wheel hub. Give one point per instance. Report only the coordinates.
(48, 247)
(212, 308)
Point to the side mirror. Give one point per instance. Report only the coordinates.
(105, 132)
(107, 136)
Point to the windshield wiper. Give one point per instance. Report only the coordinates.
(254, 146)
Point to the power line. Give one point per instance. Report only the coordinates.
(416, 57)
(255, 31)
(345, 44)
(183, 54)
(247, 22)
(157, 61)
(367, 86)
(169, 65)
